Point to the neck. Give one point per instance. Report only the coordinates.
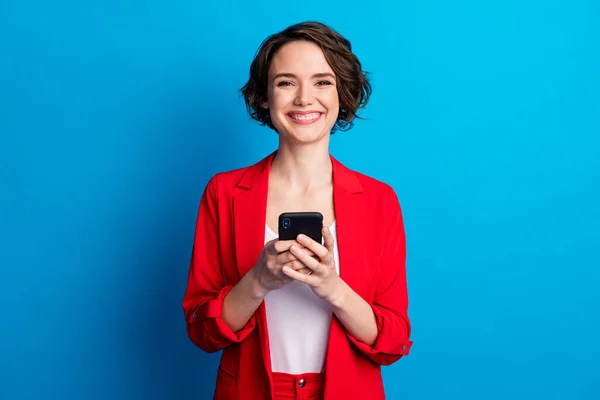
(302, 168)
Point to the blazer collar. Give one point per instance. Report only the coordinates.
(258, 174)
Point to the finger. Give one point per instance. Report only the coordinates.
(297, 265)
(307, 260)
(329, 241)
(317, 248)
(306, 271)
(307, 250)
(281, 246)
(285, 257)
(300, 277)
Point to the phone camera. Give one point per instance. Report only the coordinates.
(286, 223)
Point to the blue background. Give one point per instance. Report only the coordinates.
(484, 118)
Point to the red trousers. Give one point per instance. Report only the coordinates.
(308, 386)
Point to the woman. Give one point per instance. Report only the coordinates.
(300, 319)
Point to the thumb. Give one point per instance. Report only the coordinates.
(328, 237)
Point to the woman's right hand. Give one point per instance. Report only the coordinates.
(273, 257)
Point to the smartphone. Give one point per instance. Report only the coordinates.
(291, 224)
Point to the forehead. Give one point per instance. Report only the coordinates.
(299, 57)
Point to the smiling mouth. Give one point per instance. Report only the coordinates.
(304, 118)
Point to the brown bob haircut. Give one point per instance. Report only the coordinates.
(352, 82)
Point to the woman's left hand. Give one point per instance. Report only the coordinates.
(323, 280)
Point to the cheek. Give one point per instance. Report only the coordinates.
(278, 99)
(333, 100)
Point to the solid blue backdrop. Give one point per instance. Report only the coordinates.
(484, 118)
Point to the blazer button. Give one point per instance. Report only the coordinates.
(302, 383)
(404, 347)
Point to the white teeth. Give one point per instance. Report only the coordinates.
(305, 117)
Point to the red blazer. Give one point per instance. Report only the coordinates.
(229, 238)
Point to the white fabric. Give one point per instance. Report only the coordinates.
(298, 323)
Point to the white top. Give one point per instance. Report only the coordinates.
(298, 323)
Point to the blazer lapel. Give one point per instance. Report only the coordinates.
(349, 209)
(249, 215)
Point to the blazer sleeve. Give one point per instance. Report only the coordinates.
(205, 291)
(390, 301)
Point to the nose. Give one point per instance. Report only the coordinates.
(304, 95)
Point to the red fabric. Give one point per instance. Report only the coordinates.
(228, 240)
(309, 386)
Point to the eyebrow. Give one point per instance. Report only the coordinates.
(289, 75)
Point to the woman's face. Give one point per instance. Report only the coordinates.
(302, 94)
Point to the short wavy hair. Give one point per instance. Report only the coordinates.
(354, 88)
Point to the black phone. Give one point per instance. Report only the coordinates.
(291, 224)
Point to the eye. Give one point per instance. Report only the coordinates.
(324, 83)
(283, 83)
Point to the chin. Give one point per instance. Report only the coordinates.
(304, 134)
(304, 137)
